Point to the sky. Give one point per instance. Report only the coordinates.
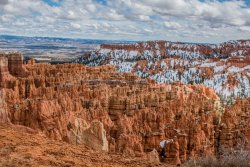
(206, 21)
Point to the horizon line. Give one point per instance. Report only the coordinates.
(125, 40)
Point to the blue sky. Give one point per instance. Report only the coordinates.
(53, 3)
(248, 2)
(210, 21)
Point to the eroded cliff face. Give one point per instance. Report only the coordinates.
(3, 108)
(119, 112)
(235, 126)
(223, 67)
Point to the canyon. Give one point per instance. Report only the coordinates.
(118, 112)
(223, 67)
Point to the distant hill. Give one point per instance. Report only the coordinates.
(58, 49)
(63, 40)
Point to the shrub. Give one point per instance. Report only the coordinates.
(233, 159)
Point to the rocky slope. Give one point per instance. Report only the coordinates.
(18, 148)
(117, 112)
(224, 67)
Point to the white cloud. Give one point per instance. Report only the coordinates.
(144, 18)
(75, 25)
(185, 20)
(172, 25)
(91, 8)
(3, 2)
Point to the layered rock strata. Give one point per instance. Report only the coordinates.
(224, 67)
(119, 112)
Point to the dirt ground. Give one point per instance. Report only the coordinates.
(19, 148)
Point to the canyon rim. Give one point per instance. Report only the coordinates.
(125, 83)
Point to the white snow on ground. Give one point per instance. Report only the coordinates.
(219, 68)
(213, 64)
(123, 66)
(247, 67)
(234, 69)
(104, 51)
(184, 54)
(191, 61)
(163, 64)
(238, 53)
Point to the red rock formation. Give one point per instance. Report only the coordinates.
(21, 149)
(153, 156)
(119, 112)
(15, 66)
(235, 126)
(94, 136)
(3, 108)
(223, 67)
(227, 49)
(4, 72)
(3, 68)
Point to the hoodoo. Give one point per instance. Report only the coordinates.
(223, 67)
(119, 112)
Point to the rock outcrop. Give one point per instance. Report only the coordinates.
(94, 136)
(223, 67)
(3, 108)
(119, 112)
(153, 156)
(235, 126)
(3, 68)
(15, 66)
(12, 64)
(24, 149)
